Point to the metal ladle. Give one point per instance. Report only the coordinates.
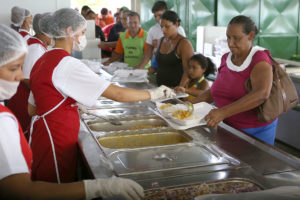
(112, 121)
(189, 105)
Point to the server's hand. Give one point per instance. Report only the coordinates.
(161, 92)
(82, 108)
(109, 187)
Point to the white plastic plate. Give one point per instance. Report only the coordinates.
(197, 118)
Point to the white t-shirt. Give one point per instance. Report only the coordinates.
(74, 79)
(35, 51)
(12, 160)
(155, 33)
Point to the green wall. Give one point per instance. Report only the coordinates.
(277, 20)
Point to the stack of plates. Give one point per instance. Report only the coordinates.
(130, 76)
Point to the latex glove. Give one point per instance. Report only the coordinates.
(109, 187)
(82, 108)
(161, 92)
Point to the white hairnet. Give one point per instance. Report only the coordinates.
(18, 15)
(12, 45)
(57, 24)
(36, 22)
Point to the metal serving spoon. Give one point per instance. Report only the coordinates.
(112, 121)
(189, 105)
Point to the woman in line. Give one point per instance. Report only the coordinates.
(58, 81)
(15, 153)
(198, 69)
(173, 53)
(235, 106)
(37, 46)
(21, 19)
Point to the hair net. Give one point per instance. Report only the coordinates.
(18, 15)
(36, 22)
(56, 24)
(12, 46)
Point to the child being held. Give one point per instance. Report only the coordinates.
(199, 67)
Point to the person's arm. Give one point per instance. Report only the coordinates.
(189, 91)
(204, 96)
(115, 57)
(192, 92)
(200, 89)
(147, 56)
(102, 45)
(31, 109)
(261, 81)
(119, 51)
(186, 51)
(151, 70)
(20, 186)
(123, 94)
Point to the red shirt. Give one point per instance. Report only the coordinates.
(229, 87)
(106, 29)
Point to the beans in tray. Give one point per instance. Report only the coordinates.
(189, 192)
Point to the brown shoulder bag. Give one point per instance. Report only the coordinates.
(283, 95)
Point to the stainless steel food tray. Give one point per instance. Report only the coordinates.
(107, 103)
(129, 123)
(190, 191)
(142, 138)
(168, 157)
(117, 112)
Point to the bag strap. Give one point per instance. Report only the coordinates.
(276, 78)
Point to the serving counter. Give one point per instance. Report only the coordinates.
(167, 161)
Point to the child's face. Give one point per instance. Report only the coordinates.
(195, 71)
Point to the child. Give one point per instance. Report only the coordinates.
(199, 67)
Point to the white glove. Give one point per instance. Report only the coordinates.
(109, 187)
(82, 108)
(161, 92)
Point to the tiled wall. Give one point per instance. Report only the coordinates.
(277, 20)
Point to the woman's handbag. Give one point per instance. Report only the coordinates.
(283, 95)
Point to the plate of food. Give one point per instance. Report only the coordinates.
(178, 116)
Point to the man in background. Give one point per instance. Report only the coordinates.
(107, 28)
(132, 43)
(114, 33)
(105, 18)
(154, 35)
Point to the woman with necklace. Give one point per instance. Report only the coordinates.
(235, 106)
(173, 53)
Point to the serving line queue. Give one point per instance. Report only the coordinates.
(58, 81)
(56, 86)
